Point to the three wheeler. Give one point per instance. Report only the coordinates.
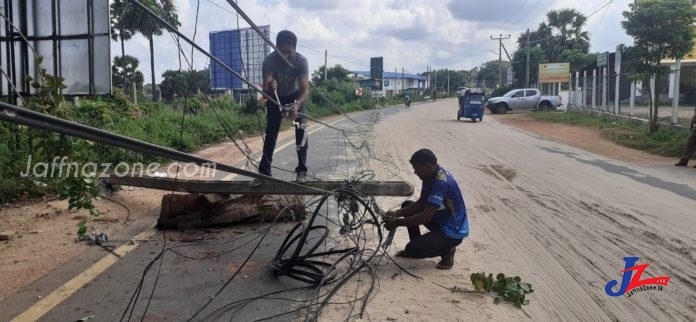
(471, 104)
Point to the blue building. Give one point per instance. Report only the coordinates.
(243, 50)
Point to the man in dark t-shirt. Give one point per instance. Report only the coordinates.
(290, 85)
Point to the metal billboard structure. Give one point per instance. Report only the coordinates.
(241, 49)
(73, 37)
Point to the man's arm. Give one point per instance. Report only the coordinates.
(303, 80)
(411, 209)
(268, 85)
(421, 218)
(304, 91)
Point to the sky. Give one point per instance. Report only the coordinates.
(409, 34)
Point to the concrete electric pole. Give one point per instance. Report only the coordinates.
(526, 82)
(500, 57)
(326, 68)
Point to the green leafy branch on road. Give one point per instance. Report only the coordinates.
(509, 289)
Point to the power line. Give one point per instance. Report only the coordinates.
(516, 11)
(528, 11)
(600, 8)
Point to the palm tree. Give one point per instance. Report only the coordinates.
(137, 20)
(566, 26)
(124, 72)
(120, 30)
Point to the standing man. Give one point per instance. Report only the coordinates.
(690, 145)
(289, 84)
(440, 208)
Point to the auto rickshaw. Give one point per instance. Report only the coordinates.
(471, 104)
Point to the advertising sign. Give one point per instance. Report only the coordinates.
(554, 73)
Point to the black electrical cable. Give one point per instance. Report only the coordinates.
(215, 315)
(256, 235)
(164, 232)
(354, 269)
(240, 266)
(303, 267)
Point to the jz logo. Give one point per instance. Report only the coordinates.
(632, 283)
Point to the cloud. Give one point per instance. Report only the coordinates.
(412, 34)
(313, 5)
(498, 12)
(312, 28)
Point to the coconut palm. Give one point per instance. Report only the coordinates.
(135, 19)
(567, 29)
(120, 30)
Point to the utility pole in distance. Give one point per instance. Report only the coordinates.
(526, 82)
(500, 57)
(326, 68)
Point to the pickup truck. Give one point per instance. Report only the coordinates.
(523, 99)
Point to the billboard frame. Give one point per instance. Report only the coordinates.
(70, 32)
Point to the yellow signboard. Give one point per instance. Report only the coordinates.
(554, 73)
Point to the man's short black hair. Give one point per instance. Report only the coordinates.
(424, 156)
(286, 37)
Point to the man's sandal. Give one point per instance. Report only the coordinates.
(403, 254)
(447, 260)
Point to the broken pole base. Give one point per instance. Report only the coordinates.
(186, 211)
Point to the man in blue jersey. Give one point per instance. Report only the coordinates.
(440, 208)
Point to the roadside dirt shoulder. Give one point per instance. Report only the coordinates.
(585, 138)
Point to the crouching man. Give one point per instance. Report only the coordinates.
(440, 208)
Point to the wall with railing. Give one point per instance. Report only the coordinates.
(604, 90)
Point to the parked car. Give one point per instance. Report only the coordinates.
(523, 99)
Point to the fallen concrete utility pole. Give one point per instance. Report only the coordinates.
(216, 203)
(370, 188)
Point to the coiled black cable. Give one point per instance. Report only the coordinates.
(302, 265)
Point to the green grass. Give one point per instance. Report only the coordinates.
(152, 122)
(665, 142)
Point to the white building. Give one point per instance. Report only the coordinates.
(395, 83)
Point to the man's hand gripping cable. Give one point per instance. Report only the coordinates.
(288, 110)
(390, 236)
